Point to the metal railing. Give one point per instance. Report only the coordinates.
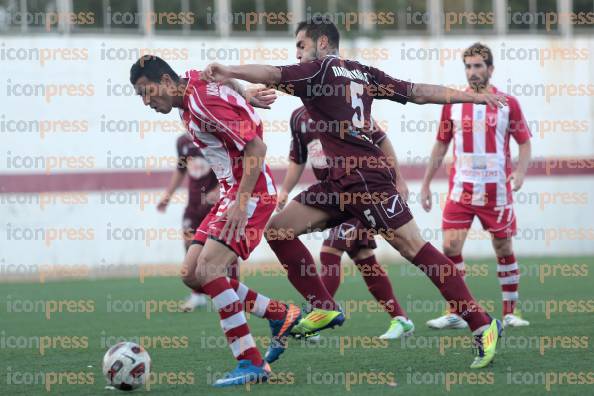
(225, 18)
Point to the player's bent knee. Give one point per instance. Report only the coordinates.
(407, 240)
(331, 250)
(503, 247)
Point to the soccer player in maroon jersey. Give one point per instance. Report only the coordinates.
(339, 93)
(481, 179)
(351, 236)
(229, 134)
(203, 193)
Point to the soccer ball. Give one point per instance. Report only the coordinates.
(126, 366)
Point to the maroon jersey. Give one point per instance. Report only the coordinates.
(338, 95)
(201, 178)
(305, 142)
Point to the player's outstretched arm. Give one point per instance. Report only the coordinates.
(257, 74)
(438, 94)
(437, 154)
(254, 153)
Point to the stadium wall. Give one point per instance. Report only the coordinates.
(83, 162)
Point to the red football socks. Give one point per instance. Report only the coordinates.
(379, 285)
(450, 283)
(302, 272)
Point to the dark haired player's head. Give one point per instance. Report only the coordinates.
(156, 82)
(478, 64)
(316, 38)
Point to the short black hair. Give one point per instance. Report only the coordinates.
(153, 68)
(479, 49)
(319, 26)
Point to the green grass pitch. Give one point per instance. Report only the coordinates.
(553, 354)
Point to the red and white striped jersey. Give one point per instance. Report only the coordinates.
(221, 123)
(482, 161)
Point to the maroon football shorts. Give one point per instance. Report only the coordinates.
(370, 197)
(351, 236)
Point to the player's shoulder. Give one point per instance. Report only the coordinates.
(354, 63)
(296, 116)
(349, 63)
(328, 61)
(513, 102)
(194, 80)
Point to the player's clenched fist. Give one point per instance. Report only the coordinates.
(492, 100)
(214, 72)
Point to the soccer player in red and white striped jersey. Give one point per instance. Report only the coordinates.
(481, 178)
(229, 134)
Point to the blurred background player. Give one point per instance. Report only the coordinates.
(203, 193)
(351, 236)
(229, 133)
(481, 179)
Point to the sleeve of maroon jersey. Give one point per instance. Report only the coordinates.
(446, 126)
(518, 127)
(377, 133)
(298, 79)
(181, 158)
(298, 150)
(388, 87)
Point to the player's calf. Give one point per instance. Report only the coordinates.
(442, 273)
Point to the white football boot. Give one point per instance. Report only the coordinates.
(514, 320)
(448, 321)
(194, 301)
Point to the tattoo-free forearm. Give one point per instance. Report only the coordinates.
(253, 158)
(236, 86)
(437, 154)
(438, 94)
(257, 74)
(524, 157)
